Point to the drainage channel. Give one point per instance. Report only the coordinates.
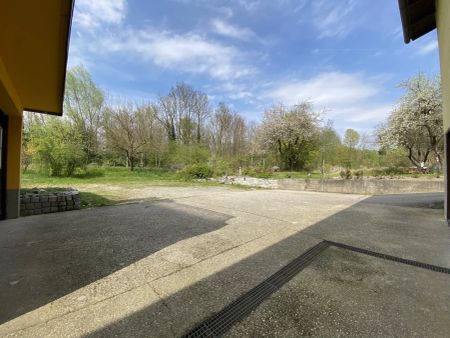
(223, 320)
(219, 323)
(427, 266)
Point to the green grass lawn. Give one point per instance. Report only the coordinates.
(108, 186)
(112, 185)
(112, 175)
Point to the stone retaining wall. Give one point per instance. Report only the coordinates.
(42, 202)
(369, 186)
(365, 186)
(251, 181)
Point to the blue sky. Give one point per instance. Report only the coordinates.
(345, 56)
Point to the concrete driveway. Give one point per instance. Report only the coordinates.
(161, 267)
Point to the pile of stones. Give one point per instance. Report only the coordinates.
(40, 201)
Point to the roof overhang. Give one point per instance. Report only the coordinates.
(418, 18)
(34, 41)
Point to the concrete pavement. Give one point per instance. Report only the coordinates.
(159, 268)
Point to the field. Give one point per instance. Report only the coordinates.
(111, 185)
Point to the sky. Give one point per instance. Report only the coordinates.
(347, 57)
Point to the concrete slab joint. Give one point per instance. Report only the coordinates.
(40, 201)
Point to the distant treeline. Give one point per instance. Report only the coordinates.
(181, 130)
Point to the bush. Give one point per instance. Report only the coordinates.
(359, 173)
(197, 171)
(182, 154)
(249, 171)
(90, 171)
(389, 171)
(256, 172)
(57, 147)
(263, 174)
(222, 168)
(346, 174)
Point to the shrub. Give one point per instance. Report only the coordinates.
(197, 171)
(249, 171)
(376, 172)
(222, 168)
(57, 147)
(346, 174)
(90, 171)
(359, 173)
(263, 174)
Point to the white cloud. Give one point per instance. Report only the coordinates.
(333, 18)
(428, 47)
(368, 113)
(225, 28)
(188, 52)
(350, 99)
(91, 14)
(326, 89)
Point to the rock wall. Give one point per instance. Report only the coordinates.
(251, 181)
(42, 202)
(369, 186)
(364, 186)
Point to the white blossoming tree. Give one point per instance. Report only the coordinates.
(291, 132)
(416, 124)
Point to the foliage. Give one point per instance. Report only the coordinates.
(351, 138)
(387, 171)
(127, 132)
(416, 123)
(57, 147)
(182, 154)
(197, 171)
(84, 104)
(293, 133)
(181, 130)
(359, 174)
(346, 174)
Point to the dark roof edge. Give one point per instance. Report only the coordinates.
(66, 55)
(405, 22)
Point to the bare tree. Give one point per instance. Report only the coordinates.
(183, 113)
(228, 133)
(127, 130)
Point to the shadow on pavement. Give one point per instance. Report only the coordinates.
(371, 224)
(43, 258)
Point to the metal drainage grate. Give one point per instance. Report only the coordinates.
(223, 320)
(431, 267)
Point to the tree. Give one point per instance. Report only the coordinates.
(183, 113)
(127, 130)
(56, 145)
(416, 122)
(329, 142)
(351, 138)
(293, 133)
(83, 105)
(228, 133)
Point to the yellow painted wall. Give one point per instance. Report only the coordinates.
(443, 26)
(9, 99)
(14, 152)
(10, 105)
